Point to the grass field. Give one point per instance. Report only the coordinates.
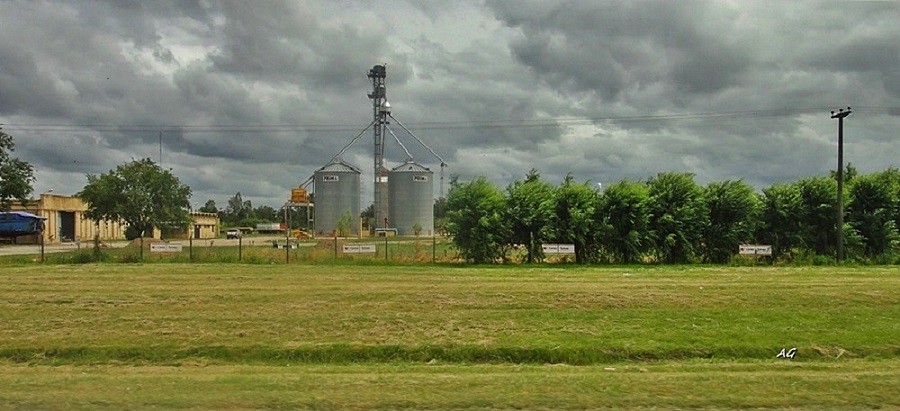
(222, 336)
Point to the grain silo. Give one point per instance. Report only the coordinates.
(337, 196)
(411, 199)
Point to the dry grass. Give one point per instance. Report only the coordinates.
(697, 385)
(253, 336)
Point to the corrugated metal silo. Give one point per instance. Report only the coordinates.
(336, 193)
(411, 199)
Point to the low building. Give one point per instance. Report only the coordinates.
(205, 225)
(65, 222)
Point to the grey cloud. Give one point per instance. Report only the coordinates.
(286, 42)
(490, 70)
(607, 47)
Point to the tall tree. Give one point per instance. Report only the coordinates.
(572, 219)
(140, 194)
(16, 175)
(733, 211)
(780, 226)
(475, 220)
(439, 208)
(266, 213)
(440, 215)
(368, 216)
(677, 216)
(528, 212)
(236, 209)
(624, 217)
(870, 212)
(892, 176)
(818, 208)
(209, 207)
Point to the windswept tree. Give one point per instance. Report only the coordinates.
(677, 216)
(16, 175)
(572, 219)
(624, 216)
(475, 220)
(733, 210)
(528, 212)
(139, 193)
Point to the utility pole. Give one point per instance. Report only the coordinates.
(840, 181)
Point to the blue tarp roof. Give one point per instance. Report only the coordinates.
(21, 214)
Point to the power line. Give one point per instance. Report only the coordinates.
(433, 125)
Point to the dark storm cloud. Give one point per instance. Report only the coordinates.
(609, 46)
(697, 50)
(477, 87)
(657, 58)
(287, 42)
(495, 88)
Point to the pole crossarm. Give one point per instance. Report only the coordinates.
(841, 113)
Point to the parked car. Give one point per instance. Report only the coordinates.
(233, 233)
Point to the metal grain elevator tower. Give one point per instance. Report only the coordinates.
(381, 109)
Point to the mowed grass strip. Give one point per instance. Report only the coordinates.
(847, 384)
(249, 314)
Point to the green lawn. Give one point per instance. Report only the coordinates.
(315, 336)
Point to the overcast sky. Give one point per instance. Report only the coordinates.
(254, 96)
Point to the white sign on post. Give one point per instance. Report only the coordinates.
(558, 248)
(165, 247)
(359, 248)
(754, 249)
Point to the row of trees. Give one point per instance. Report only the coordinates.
(241, 213)
(669, 218)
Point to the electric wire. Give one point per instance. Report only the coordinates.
(341, 153)
(432, 125)
(443, 163)
(409, 156)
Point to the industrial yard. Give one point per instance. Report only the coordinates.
(403, 195)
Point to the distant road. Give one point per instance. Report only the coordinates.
(17, 249)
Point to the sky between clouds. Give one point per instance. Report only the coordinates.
(253, 97)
